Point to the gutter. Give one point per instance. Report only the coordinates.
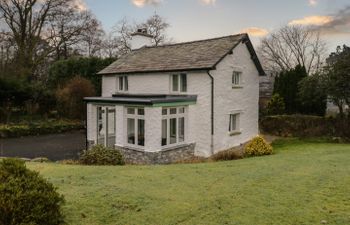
(212, 112)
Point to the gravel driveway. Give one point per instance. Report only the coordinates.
(54, 146)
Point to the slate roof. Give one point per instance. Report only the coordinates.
(187, 56)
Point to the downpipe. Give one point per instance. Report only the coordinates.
(212, 112)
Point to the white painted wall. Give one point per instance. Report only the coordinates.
(153, 128)
(120, 126)
(109, 84)
(199, 122)
(138, 84)
(227, 99)
(91, 124)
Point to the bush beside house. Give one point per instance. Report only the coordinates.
(100, 155)
(258, 147)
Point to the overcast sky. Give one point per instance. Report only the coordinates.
(201, 19)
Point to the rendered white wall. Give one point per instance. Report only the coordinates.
(199, 123)
(228, 99)
(120, 126)
(109, 83)
(138, 84)
(153, 126)
(91, 122)
(149, 83)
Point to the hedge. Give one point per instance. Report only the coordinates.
(305, 126)
(37, 128)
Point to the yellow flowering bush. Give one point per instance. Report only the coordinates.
(258, 147)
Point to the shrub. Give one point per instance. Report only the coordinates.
(70, 98)
(312, 95)
(286, 85)
(26, 197)
(63, 70)
(100, 155)
(276, 105)
(258, 147)
(227, 155)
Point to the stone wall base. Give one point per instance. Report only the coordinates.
(172, 155)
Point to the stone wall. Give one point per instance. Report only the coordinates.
(163, 157)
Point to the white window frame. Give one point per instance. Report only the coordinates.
(237, 124)
(124, 87)
(179, 82)
(136, 116)
(237, 79)
(176, 116)
(105, 123)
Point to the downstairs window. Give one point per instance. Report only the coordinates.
(135, 122)
(173, 126)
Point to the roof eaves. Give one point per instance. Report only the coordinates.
(254, 56)
(231, 50)
(159, 71)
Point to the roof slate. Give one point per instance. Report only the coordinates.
(196, 55)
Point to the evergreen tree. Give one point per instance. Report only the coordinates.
(286, 85)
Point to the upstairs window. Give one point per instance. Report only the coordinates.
(179, 82)
(236, 79)
(123, 84)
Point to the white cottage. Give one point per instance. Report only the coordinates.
(167, 103)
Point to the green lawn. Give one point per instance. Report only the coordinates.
(302, 183)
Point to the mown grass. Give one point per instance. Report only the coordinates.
(302, 183)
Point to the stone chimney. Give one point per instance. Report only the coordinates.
(140, 39)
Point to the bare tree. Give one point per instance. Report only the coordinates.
(110, 46)
(41, 29)
(69, 30)
(122, 31)
(291, 46)
(92, 38)
(157, 27)
(26, 21)
(6, 53)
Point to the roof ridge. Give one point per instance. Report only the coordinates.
(191, 42)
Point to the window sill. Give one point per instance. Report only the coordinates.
(177, 93)
(235, 133)
(171, 147)
(237, 86)
(135, 147)
(121, 92)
